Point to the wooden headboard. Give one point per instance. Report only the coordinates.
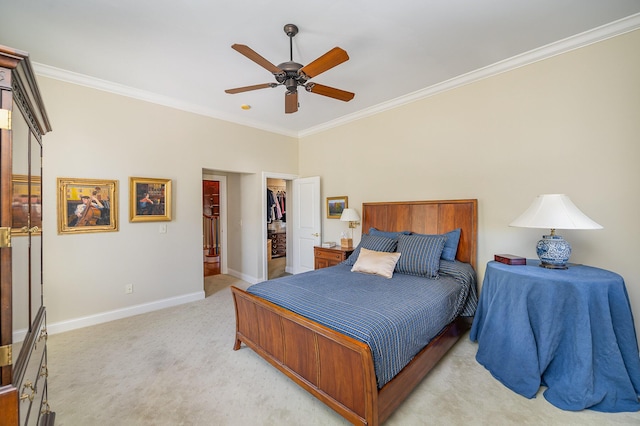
(428, 217)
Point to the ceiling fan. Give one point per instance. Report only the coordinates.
(291, 74)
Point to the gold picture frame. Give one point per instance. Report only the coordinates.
(149, 199)
(87, 205)
(335, 206)
(26, 214)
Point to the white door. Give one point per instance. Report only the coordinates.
(307, 222)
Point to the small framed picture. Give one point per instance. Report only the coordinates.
(87, 205)
(149, 199)
(26, 205)
(335, 205)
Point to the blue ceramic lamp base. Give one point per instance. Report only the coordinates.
(553, 251)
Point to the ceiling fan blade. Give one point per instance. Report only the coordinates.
(334, 57)
(247, 88)
(331, 92)
(255, 57)
(290, 102)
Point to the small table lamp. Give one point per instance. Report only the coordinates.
(351, 216)
(554, 211)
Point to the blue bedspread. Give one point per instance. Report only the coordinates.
(571, 330)
(396, 317)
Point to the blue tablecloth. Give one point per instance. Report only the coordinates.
(570, 330)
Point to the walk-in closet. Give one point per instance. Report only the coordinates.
(276, 199)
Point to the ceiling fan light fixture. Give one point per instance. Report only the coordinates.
(291, 84)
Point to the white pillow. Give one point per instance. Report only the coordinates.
(376, 262)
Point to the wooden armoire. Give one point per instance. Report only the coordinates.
(23, 333)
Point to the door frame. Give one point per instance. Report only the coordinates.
(288, 178)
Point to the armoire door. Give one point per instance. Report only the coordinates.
(29, 325)
(23, 335)
(26, 227)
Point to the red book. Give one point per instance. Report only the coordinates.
(510, 259)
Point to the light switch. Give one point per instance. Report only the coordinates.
(163, 228)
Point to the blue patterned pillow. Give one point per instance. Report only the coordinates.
(388, 234)
(420, 254)
(450, 246)
(372, 242)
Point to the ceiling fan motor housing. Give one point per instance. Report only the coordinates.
(292, 74)
(291, 78)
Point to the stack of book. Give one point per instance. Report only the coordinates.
(510, 259)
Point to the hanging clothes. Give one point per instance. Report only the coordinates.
(271, 203)
(277, 210)
(282, 201)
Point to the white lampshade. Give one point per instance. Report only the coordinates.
(350, 215)
(554, 211)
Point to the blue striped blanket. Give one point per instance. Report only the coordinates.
(396, 317)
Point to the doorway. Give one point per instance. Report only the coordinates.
(214, 223)
(211, 226)
(276, 227)
(303, 227)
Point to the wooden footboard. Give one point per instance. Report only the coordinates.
(335, 368)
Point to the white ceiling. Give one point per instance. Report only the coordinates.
(178, 53)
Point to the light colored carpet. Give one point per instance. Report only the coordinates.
(216, 283)
(177, 367)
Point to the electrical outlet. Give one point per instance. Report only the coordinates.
(128, 289)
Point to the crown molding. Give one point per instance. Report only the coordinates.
(143, 95)
(616, 28)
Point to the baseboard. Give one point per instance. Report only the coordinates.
(243, 277)
(68, 325)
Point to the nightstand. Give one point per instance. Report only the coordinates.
(569, 330)
(325, 257)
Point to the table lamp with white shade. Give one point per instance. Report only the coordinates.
(351, 216)
(554, 211)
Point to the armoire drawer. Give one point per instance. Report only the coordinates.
(31, 372)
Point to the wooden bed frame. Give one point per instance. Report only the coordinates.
(335, 368)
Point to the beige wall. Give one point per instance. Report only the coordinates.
(101, 135)
(569, 124)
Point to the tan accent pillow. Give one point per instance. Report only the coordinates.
(376, 262)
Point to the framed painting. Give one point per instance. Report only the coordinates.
(87, 205)
(335, 205)
(26, 205)
(149, 199)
